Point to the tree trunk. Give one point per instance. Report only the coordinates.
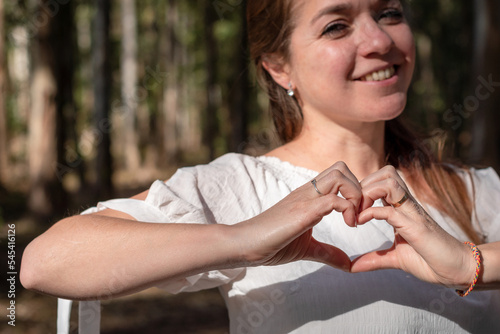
(63, 42)
(485, 148)
(102, 89)
(51, 97)
(171, 94)
(4, 155)
(129, 82)
(240, 98)
(210, 128)
(189, 122)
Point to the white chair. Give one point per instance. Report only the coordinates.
(89, 316)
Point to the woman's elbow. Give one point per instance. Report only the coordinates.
(30, 275)
(36, 272)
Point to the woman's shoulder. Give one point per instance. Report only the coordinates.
(235, 176)
(231, 171)
(480, 181)
(487, 175)
(474, 177)
(229, 165)
(484, 186)
(237, 165)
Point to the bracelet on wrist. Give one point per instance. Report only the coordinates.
(477, 258)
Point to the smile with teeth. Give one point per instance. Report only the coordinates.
(380, 75)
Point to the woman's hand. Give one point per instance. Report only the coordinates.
(421, 246)
(283, 233)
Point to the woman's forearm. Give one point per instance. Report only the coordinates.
(490, 273)
(102, 256)
(98, 257)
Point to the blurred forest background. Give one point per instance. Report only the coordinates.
(98, 98)
(102, 95)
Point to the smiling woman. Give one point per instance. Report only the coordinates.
(401, 147)
(332, 53)
(281, 239)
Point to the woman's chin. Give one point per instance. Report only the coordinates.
(389, 111)
(394, 115)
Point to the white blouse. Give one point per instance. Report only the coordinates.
(305, 296)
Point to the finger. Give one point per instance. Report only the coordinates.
(377, 260)
(344, 170)
(416, 229)
(342, 167)
(327, 254)
(382, 174)
(344, 206)
(413, 228)
(389, 190)
(316, 208)
(396, 219)
(334, 182)
(312, 211)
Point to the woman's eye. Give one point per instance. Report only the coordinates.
(335, 29)
(391, 16)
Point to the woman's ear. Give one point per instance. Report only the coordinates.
(278, 69)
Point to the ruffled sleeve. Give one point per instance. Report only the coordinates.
(487, 203)
(193, 195)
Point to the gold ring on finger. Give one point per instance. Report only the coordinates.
(401, 201)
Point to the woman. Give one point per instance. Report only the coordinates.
(337, 74)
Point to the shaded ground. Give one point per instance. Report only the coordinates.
(152, 311)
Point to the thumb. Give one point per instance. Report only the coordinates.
(327, 254)
(376, 260)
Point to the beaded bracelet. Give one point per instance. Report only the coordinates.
(477, 257)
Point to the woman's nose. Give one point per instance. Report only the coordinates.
(373, 39)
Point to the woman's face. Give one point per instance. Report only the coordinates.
(351, 60)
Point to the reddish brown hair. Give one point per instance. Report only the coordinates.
(270, 25)
(269, 30)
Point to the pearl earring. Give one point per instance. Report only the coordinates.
(290, 92)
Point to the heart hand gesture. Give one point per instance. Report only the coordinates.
(283, 233)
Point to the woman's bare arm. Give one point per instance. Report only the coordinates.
(109, 254)
(99, 256)
(490, 273)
